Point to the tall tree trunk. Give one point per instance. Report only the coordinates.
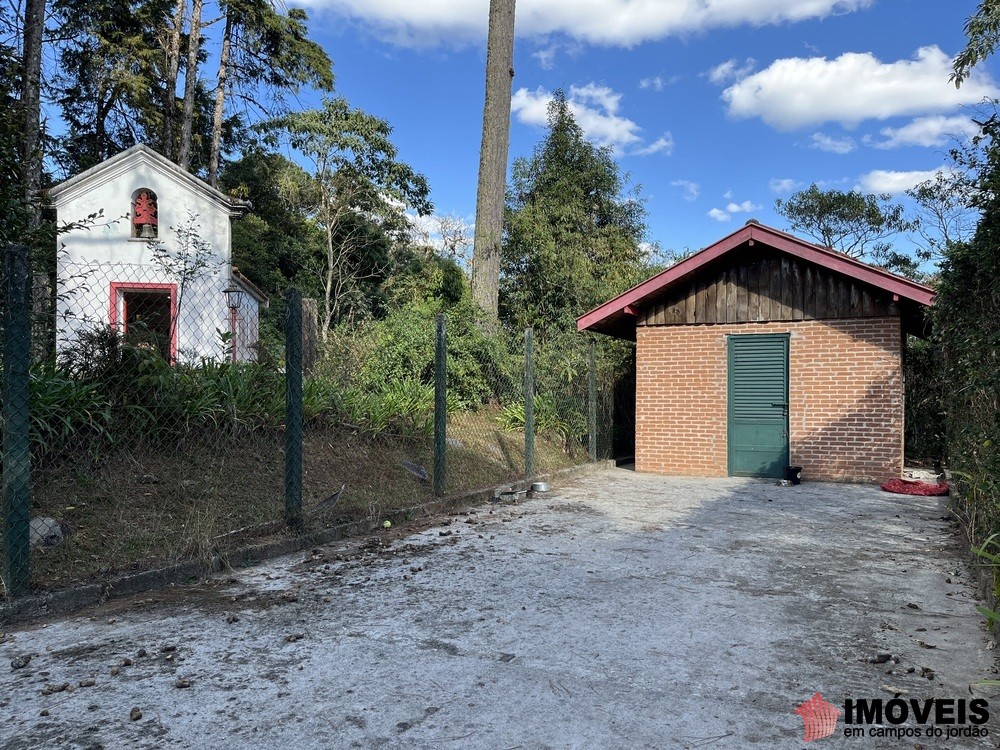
(327, 290)
(102, 107)
(493, 157)
(220, 100)
(31, 74)
(190, 85)
(173, 60)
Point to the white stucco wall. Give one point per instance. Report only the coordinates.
(247, 330)
(90, 258)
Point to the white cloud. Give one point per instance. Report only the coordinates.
(595, 109)
(829, 143)
(603, 96)
(927, 131)
(546, 57)
(531, 107)
(832, 182)
(796, 92)
(731, 70)
(894, 183)
(691, 189)
(655, 83)
(782, 185)
(606, 22)
(732, 208)
(662, 145)
(549, 49)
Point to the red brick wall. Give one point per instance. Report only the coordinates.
(845, 407)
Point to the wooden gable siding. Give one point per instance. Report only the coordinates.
(767, 286)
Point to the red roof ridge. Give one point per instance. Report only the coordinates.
(775, 238)
(840, 255)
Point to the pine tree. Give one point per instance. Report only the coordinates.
(573, 238)
(264, 56)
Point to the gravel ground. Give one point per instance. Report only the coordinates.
(622, 611)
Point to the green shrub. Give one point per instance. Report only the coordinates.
(925, 402)
(250, 395)
(322, 400)
(967, 328)
(146, 398)
(401, 348)
(404, 408)
(422, 277)
(65, 412)
(377, 377)
(549, 417)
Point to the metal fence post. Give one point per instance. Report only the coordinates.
(293, 408)
(16, 420)
(592, 401)
(529, 403)
(440, 407)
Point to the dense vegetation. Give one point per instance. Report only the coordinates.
(967, 332)
(337, 220)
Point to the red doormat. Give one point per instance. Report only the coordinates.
(915, 487)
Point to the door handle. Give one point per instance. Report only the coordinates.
(783, 406)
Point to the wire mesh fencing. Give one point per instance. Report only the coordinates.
(16, 428)
(484, 376)
(543, 410)
(155, 414)
(573, 403)
(368, 421)
(156, 417)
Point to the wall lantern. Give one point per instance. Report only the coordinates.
(234, 297)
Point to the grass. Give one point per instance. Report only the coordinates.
(144, 507)
(489, 455)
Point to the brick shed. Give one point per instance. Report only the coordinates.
(763, 351)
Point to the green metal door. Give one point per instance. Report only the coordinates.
(758, 405)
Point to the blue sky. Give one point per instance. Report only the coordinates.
(714, 107)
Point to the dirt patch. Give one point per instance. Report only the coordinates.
(140, 508)
(336, 562)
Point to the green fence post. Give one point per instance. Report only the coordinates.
(592, 401)
(440, 407)
(293, 408)
(529, 403)
(16, 420)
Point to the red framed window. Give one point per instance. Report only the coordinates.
(146, 315)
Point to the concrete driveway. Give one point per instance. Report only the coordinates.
(624, 611)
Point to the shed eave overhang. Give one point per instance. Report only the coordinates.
(617, 316)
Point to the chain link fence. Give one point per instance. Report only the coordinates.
(548, 408)
(152, 414)
(16, 426)
(485, 440)
(156, 417)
